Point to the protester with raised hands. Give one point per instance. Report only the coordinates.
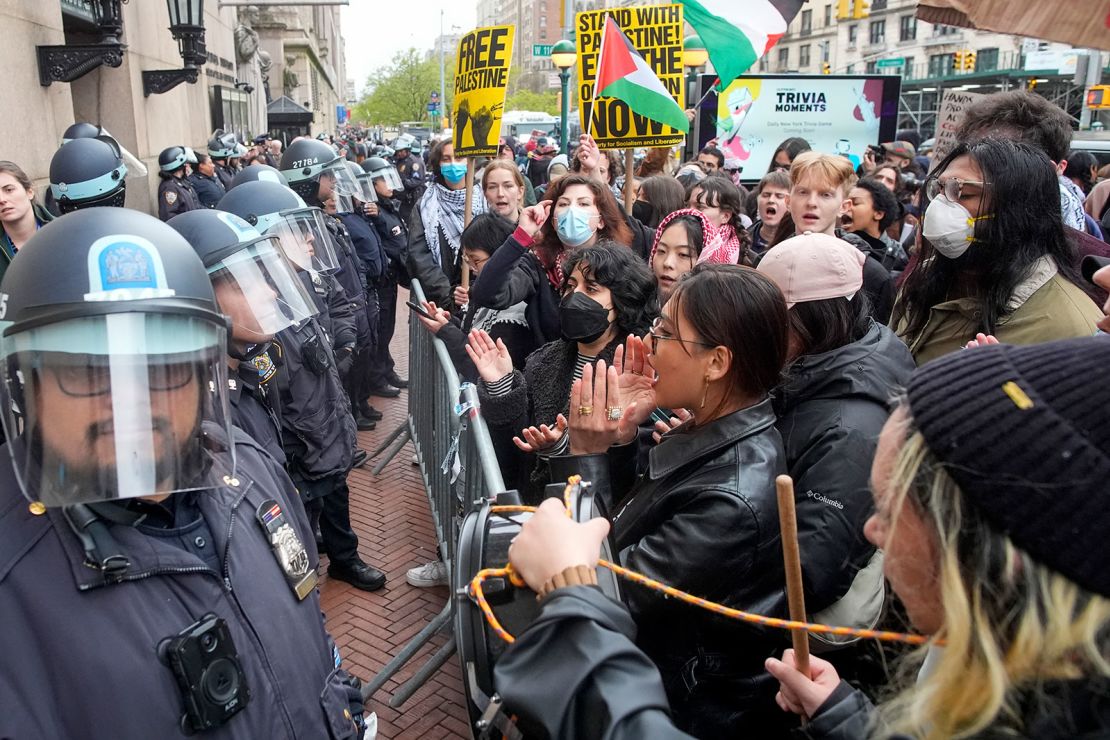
(607, 293)
(703, 517)
(604, 167)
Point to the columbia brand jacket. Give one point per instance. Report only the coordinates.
(86, 649)
(704, 519)
(831, 408)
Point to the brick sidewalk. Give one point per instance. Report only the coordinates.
(391, 516)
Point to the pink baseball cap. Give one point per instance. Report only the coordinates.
(814, 267)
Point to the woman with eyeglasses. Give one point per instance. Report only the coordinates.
(994, 256)
(703, 516)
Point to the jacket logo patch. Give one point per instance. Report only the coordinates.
(171, 197)
(825, 499)
(265, 367)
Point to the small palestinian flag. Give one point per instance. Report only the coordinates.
(623, 74)
(736, 33)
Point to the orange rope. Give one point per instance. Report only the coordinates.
(725, 611)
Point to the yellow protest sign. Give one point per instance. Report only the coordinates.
(656, 33)
(481, 77)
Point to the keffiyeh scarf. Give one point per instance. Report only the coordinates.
(441, 209)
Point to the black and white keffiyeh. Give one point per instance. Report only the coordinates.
(442, 209)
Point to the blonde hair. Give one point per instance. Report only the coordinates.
(502, 164)
(1009, 623)
(825, 169)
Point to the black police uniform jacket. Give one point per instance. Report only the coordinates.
(318, 431)
(253, 408)
(352, 278)
(704, 519)
(209, 190)
(176, 195)
(393, 231)
(80, 654)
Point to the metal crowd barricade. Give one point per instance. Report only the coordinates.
(458, 466)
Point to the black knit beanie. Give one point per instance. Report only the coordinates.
(1025, 433)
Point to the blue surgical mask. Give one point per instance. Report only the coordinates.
(454, 173)
(573, 226)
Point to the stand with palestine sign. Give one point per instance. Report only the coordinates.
(655, 31)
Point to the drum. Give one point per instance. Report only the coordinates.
(484, 539)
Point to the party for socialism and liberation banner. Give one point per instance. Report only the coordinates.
(654, 33)
(736, 33)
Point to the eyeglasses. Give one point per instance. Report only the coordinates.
(952, 187)
(475, 263)
(76, 380)
(656, 336)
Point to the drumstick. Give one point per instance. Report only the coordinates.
(792, 560)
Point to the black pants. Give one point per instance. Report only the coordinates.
(387, 319)
(328, 503)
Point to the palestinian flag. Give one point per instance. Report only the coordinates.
(623, 74)
(736, 33)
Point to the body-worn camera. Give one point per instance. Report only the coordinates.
(206, 666)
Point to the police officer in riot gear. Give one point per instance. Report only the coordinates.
(175, 193)
(207, 186)
(258, 290)
(221, 147)
(385, 216)
(85, 173)
(81, 130)
(413, 174)
(318, 429)
(159, 572)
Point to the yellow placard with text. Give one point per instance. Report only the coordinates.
(481, 79)
(656, 32)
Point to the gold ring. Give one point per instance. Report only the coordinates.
(585, 410)
(614, 412)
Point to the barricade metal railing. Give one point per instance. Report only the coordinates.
(458, 466)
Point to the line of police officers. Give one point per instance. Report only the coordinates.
(177, 399)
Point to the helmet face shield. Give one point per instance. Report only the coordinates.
(116, 406)
(366, 189)
(305, 240)
(261, 293)
(345, 183)
(391, 177)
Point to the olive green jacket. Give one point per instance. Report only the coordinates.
(1045, 306)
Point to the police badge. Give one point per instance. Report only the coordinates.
(287, 548)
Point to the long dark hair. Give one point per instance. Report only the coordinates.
(548, 246)
(822, 326)
(631, 283)
(1079, 168)
(1023, 199)
(736, 307)
(665, 194)
(793, 146)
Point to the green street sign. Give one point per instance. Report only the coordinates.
(541, 50)
(892, 62)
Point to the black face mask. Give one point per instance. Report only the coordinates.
(643, 211)
(582, 319)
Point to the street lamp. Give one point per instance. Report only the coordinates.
(67, 62)
(563, 56)
(187, 28)
(694, 55)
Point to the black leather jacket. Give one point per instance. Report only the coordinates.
(704, 519)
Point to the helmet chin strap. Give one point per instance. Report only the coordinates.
(249, 353)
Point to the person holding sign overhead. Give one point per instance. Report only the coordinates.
(435, 252)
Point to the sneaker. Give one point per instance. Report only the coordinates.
(428, 574)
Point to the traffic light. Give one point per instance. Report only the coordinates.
(843, 9)
(969, 61)
(960, 57)
(860, 9)
(1098, 97)
(826, 68)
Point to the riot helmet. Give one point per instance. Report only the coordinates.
(81, 130)
(306, 161)
(403, 142)
(255, 286)
(113, 362)
(377, 167)
(190, 156)
(275, 210)
(172, 159)
(222, 145)
(88, 172)
(258, 171)
(365, 191)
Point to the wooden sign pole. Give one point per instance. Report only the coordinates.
(467, 205)
(792, 559)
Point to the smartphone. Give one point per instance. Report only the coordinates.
(419, 309)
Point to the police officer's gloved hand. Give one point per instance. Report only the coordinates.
(354, 700)
(344, 359)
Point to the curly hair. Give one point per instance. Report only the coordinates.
(630, 282)
(550, 249)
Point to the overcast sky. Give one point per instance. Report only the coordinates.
(375, 30)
